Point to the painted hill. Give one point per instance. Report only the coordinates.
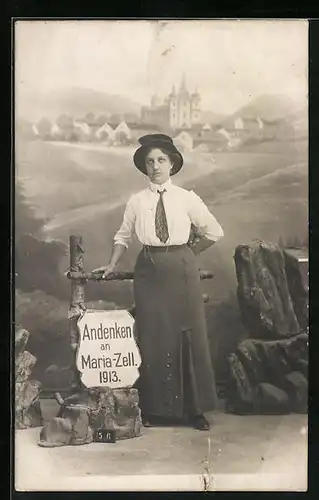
(74, 101)
(268, 108)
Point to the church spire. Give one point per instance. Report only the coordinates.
(183, 82)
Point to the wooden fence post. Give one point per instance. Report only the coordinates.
(77, 300)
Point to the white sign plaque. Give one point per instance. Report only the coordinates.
(108, 354)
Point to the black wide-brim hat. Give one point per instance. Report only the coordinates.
(159, 141)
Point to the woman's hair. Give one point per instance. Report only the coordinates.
(174, 157)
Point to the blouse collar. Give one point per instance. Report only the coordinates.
(160, 187)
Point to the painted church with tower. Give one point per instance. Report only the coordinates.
(180, 109)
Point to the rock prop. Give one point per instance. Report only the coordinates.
(269, 369)
(297, 277)
(94, 408)
(27, 402)
(266, 376)
(263, 294)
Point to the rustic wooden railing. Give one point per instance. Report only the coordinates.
(117, 276)
(79, 277)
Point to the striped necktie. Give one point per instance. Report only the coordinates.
(161, 227)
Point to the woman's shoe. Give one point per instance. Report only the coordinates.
(199, 422)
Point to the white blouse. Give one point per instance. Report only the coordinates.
(182, 209)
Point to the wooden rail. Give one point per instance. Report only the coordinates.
(117, 276)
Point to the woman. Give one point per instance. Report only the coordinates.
(176, 375)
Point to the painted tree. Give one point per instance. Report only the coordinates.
(101, 120)
(44, 127)
(26, 221)
(90, 118)
(37, 263)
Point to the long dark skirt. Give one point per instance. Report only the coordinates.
(176, 375)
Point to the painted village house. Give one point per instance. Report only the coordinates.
(244, 129)
(184, 141)
(106, 133)
(131, 132)
(251, 129)
(201, 138)
(229, 139)
(140, 129)
(208, 139)
(122, 133)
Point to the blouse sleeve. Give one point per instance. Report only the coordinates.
(203, 219)
(125, 232)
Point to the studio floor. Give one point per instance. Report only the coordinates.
(256, 453)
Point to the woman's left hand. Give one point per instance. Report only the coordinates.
(104, 271)
(202, 245)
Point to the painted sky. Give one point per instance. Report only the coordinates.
(229, 62)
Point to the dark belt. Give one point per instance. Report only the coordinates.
(169, 248)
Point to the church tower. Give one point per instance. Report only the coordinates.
(179, 110)
(173, 111)
(195, 108)
(184, 106)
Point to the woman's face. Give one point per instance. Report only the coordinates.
(158, 166)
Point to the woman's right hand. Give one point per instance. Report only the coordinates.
(104, 271)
